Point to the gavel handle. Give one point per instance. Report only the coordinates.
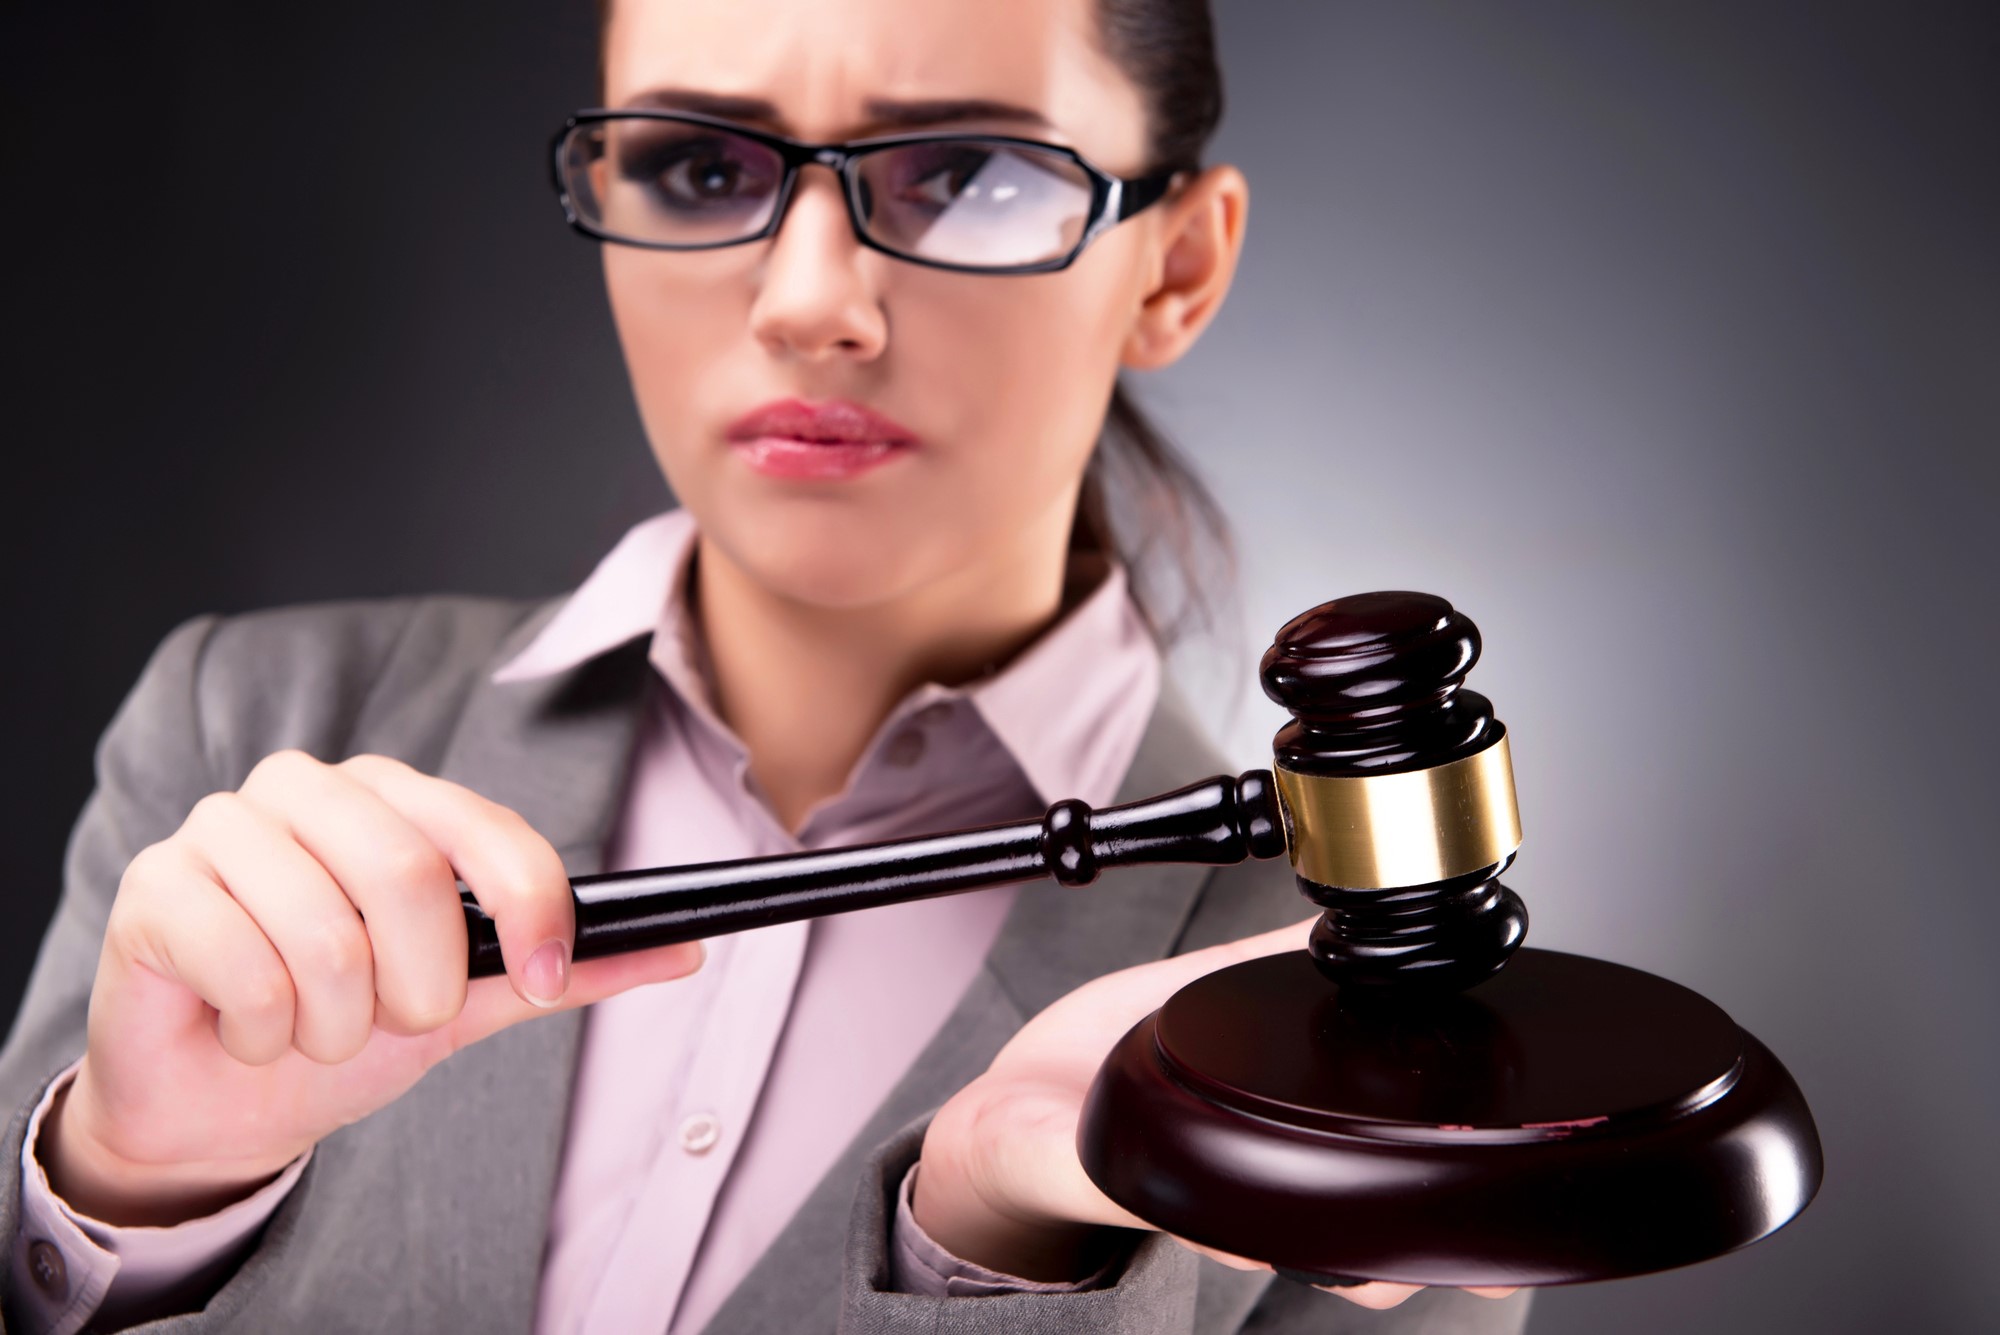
(1215, 822)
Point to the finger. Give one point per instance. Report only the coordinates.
(393, 873)
(173, 920)
(1177, 971)
(514, 873)
(491, 1005)
(1379, 1294)
(303, 912)
(1375, 1293)
(1089, 1021)
(1488, 1292)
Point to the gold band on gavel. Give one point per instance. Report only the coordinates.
(1391, 830)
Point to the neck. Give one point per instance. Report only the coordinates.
(806, 686)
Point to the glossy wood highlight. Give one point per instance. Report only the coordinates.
(1216, 821)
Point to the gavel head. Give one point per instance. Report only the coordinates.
(1398, 793)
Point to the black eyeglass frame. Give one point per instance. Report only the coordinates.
(1113, 199)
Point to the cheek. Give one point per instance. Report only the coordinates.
(1022, 367)
(667, 321)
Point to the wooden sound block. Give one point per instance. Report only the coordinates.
(1565, 1120)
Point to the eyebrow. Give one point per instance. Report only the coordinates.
(882, 114)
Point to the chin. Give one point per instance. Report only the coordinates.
(838, 561)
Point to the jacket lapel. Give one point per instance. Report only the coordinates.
(1054, 940)
(556, 751)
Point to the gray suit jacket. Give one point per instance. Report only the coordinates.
(430, 1214)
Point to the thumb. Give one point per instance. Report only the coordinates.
(1094, 1016)
(491, 1004)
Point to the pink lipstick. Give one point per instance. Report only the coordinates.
(820, 442)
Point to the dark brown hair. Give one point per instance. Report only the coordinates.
(1142, 501)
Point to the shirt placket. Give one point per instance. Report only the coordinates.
(705, 1125)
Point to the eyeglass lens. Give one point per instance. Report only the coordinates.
(961, 202)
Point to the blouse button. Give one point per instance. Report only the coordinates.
(45, 1263)
(905, 749)
(700, 1132)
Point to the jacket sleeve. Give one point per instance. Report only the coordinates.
(70, 1271)
(150, 771)
(1154, 1293)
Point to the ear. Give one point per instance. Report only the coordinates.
(1201, 238)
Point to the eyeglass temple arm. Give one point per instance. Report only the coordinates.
(1216, 822)
(1142, 192)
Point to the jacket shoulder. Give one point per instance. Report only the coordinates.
(335, 678)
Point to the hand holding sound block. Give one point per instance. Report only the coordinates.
(999, 1183)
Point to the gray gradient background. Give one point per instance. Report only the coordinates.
(1661, 338)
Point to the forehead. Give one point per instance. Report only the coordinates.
(821, 62)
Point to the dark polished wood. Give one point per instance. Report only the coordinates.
(1436, 938)
(1216, 821)
(1396, 1105)
(1374, 686)
(1566, 1120)
(1372, 682)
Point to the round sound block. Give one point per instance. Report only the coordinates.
(1565, 1120)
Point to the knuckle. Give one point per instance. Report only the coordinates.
(212, 815)
(411, 867)
(368, 764)
(149, 866)
(504, 821)
(157, 873)
(265, 999)
(279, 769)
(513, 884)
(339, 953)
(548, 866)
(512, 822)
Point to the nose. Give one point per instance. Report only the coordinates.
(817, 299)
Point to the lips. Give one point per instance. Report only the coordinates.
(828, 441)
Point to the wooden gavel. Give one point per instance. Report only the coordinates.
(1402, 857)
(1390, 1103)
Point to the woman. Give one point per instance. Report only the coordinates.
(876, 379)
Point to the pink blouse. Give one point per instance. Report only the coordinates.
(705, 1109)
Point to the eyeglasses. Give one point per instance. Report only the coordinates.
(973, 203)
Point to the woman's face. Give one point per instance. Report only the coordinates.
(1002, 381)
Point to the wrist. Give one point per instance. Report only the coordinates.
(96, 1181)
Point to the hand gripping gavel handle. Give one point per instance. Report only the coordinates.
(1215, 822)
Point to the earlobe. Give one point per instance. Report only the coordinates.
(1201, 244)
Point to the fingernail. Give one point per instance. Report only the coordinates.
(545, 977)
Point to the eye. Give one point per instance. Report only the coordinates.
(700, 173)
(943, 177)
(703, 176)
